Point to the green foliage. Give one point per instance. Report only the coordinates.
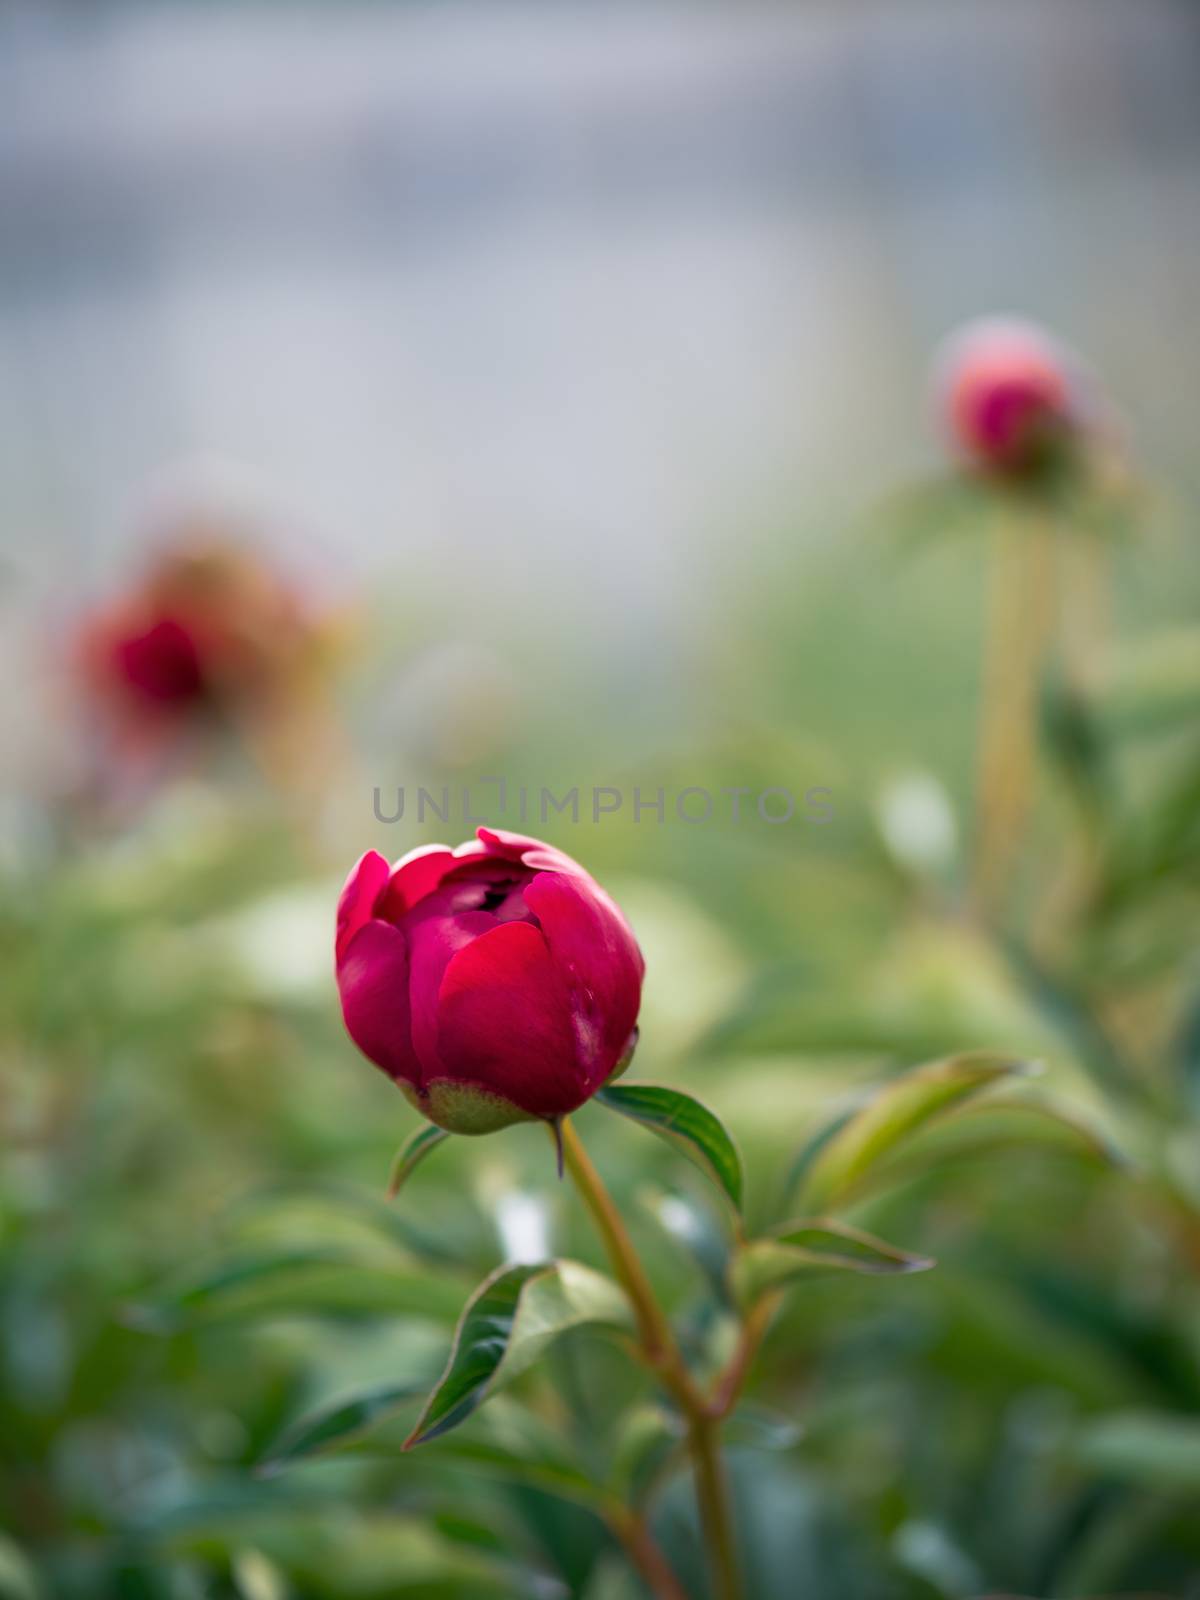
(215, 1336)
(798, 1249)
(683, 1121)
(411, 1153)
(506, 1325)
(845, 1156)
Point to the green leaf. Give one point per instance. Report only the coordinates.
(1071, 1013)
(819, 1244)
(1148, 1448)
(513, 1446)
(505, 1326)
(806, 1156)
(18, 1576)
(647, 1440)
(1014, 1122)
(687, 1124)
(334, 1424)
(410, 1155)
(305, 1282)
(897, 1111)
(1187, 1053)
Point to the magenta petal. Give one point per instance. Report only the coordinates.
(357, 901)
(596, 952)
(504, 1022)
(434, 938)
(414, 876)
(529, 851)
(373, 984)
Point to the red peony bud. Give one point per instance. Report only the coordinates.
(207, 627)
(1010, 396)
(494, 983)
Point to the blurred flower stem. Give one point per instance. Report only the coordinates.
(662, 1355)
(1021, 612)
(644, 1553)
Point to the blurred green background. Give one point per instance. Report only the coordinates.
(577, 360)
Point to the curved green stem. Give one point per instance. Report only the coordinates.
(1020, 624)
(662, 1354)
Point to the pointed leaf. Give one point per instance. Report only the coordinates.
(335, 1424)
(1013, 1122)
(1073, 1015)
(695, 1130)
(647, 1440)
(894, 1114)
(805, 1158)
(1148, 1448)
(505, 1326)
(818, 1244)
(311, 1283)
(411, 1153)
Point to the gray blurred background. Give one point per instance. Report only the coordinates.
(598, 291)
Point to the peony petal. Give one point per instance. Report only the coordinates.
(413, 877)
(530, 852)
(504, 1022)
(356, 903)
(602, 967)
(373, 984)
(434, 937)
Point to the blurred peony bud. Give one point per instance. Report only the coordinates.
(1009, 395)
(207, 627)
(495, 983)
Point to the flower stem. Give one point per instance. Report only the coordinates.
(1021, 605)
(645, 1554)
(712, 1496)
(728, 1386)
(662, 1354)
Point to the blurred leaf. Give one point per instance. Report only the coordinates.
(812, 1147)
(755, 1428)
(307, 1282)
(1068, 1010)
(1154, 683)
(1160, 850)
(512, 1444)
(1141, 1337)
(505, 1326)
(1074, 740)
(685, 1123)
(1155, 1448)
(334, 1424)
(648, 1438)
(18, 1578)
(256, 1577)
(799, 1249)
(337, 1551)
(1014, 1122)
(344, 1219)
(894, 1113)
(411, 1153)
(698, 1232)
(927, 1550)
(1187, 1052)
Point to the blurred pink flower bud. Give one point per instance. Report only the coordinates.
(494, 983)
(1010, 396)
(208, 626)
